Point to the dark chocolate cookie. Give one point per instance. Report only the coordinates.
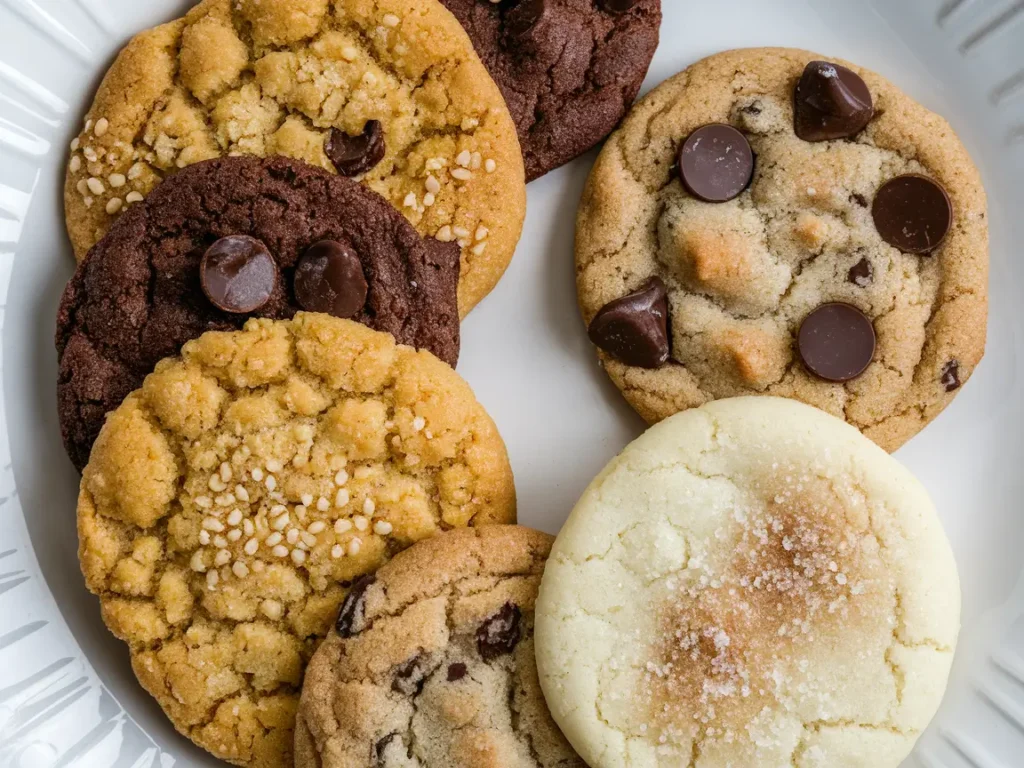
(192, 258)
(568, 69)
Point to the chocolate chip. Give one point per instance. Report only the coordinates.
(634, 329)
(859, 199)
(526, 16)
(716, 163)
(238, 274)
(831, 102)
(380, 749)
(409, 677)
(351, 615)
(456, 671)
(836, 342)
(861, 274)
(329, 278)
(353, 155)
(912, 213)
(617, 6)
(500, 634)
(951, 376)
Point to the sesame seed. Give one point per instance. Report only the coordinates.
(479, 248)
(341, 497)
(349, 53)
(477, 161)
(490, 166)
(298, 556)
(382, 528)
(410, 200)
(241, 493)
(460, 232)
(433, 185)
(95, 185)
(279, 551)
(234, 534)
(90, 154)
(462, 174)
(342, 526)
(307, 499)
(278, 509)
(211, 579)
(341, 477)
(317, 527)
(369, 506)
(257, 474)
(337, 551)
(240, 569)
(464, 158)
(75, 165)
(323, 504)
(116, 180)
(248, 527)
(274, 539)
(272, 609)
(292, 536)
(75, 143)
(354, 546)
(223, 558)
(444, 234)
(360, 522)
(481, 232)
(390, 20)
(196, 563)
(429, 199)
(204, 537)
(202, 501)
(308, 539)
(251, 546)
(271, 482)
(213, 524)
(419, 423)
(219, 541)
(280, 522)
(235, 517)
(102, 125)
(136, 170)
(82, 187)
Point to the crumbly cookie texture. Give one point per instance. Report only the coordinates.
(752, 582)
(251, 77)
(231, 501)
(436, 668)
(742, 275)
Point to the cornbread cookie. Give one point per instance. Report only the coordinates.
(389, 91)
(231, 501)
(431, 663)
(569, 69)
(752, 582)
(149, 286)
(844, 196)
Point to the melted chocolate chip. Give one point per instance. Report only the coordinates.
(912, 213)
(500, 634)
(836, 342)
(831, 102)
(350, 615)
(238, 274)
(381, 747)
(353, 155)
(329, 278)
(861, 274)
(456, 671)
(950, 377)
(715, 163)
(617, 6)
(526, 16)
(634, 329)
(859, 199)
(409, 677)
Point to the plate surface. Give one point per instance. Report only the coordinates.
(67, 694)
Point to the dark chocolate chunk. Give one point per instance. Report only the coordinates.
(861, 273)
(950, 377)
(500, 634)
(831, 102)
(912, 213)
(526, 16)
(634, 329)
(716, 163)
(836, 342)
(329, 278)
(456, 671)
(353, 155)
(238, 274)
(350, 615)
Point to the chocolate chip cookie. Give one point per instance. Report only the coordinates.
(232, 501)
(771, 222)
(389, 92)
(227, 239)
(431, 663)
(568, 69)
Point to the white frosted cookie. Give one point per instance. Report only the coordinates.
(751, 583)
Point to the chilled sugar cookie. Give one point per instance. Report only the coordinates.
(752, 582)
(767, 222)
(433, 656)
(390, 92)
(231, 502)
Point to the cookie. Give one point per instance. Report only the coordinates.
(431, 662)
(761, 188)
(568, 69)
(390, 92)
(154, 283)
(231, 502)
(752, 582)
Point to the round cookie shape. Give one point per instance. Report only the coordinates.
(391, 91)
(138, 297)
(231, 501)
(434, 656)
(568, 69)
(754, 582)
(743, 275)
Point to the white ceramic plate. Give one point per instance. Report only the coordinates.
(67, 694)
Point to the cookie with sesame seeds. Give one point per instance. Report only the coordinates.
(771, 222)
(390, 92)
(751, 582)
(433, 658)
(231, 502)
(312, 240)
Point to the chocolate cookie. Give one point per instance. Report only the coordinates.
(434, 658)
(568, 69)
(769, 222)
(229, 239)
